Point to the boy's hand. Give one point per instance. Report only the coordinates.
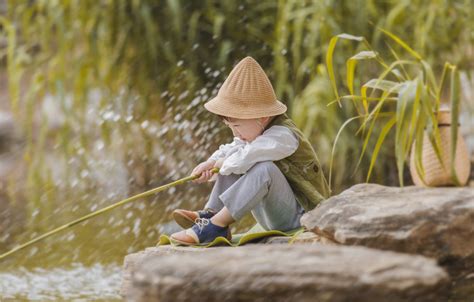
(218, 164)
(204, 169)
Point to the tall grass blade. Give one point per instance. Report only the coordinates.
(455, 99)
(380, 140)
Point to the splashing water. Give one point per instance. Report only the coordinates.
(74, 283)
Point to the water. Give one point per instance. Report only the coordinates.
(73, 283)
(110, 157)
(83, 167)
(84, 262)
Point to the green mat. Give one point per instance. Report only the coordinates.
(254, 233)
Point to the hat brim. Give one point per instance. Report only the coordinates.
(244, 110)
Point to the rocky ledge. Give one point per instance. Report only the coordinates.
(434, 222)
(133, 262)
(369, 243)
(313, 272)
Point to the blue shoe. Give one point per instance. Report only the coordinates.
(186, 218)
(201, 233)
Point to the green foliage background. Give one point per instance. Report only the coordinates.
(153, 51)
(129, 78)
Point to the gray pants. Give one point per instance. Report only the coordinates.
(264, 191)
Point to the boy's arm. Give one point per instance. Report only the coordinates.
(226, 149)
(275, 143)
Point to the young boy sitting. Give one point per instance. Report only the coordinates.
(269, 169)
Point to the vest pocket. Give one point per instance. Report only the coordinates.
(310, 171)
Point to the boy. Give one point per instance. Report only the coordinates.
(270, 168)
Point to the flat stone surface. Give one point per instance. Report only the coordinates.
(131, 261)
(434, 222)
(303, 238)
(282, 272)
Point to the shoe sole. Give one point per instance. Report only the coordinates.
(179, 242)
(176, 241)
(183, 221)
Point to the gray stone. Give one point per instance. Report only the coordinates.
(303, 238)
(434, 222)
(132, 261)
(301, 272)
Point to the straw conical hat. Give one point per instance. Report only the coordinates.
(246, 93)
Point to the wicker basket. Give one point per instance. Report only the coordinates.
(435, 173)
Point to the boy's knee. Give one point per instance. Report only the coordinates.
(264, 166)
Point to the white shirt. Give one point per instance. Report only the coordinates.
(275, 143)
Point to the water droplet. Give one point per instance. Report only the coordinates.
(99, 145)
(183, 95)
(163, 131)
(71, 237)
(108, 115)
(33, 251)
(126, 230)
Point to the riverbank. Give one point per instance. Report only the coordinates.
(403, 244)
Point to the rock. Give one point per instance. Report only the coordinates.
(305, 272)
(310, 237)
(434, 222)
(303, 238)
(133, 260)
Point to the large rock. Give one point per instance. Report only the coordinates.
(435, 222)
(132, 261)
(306, 272)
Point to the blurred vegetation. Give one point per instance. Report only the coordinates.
(109, 93)
(407, 92)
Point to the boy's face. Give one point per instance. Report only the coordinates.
(247, 129)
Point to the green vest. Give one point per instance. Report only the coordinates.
(302, 168)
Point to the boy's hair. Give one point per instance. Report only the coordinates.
(222, 117)
(226, 118)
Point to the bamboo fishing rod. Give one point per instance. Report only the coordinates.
(101, 211)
